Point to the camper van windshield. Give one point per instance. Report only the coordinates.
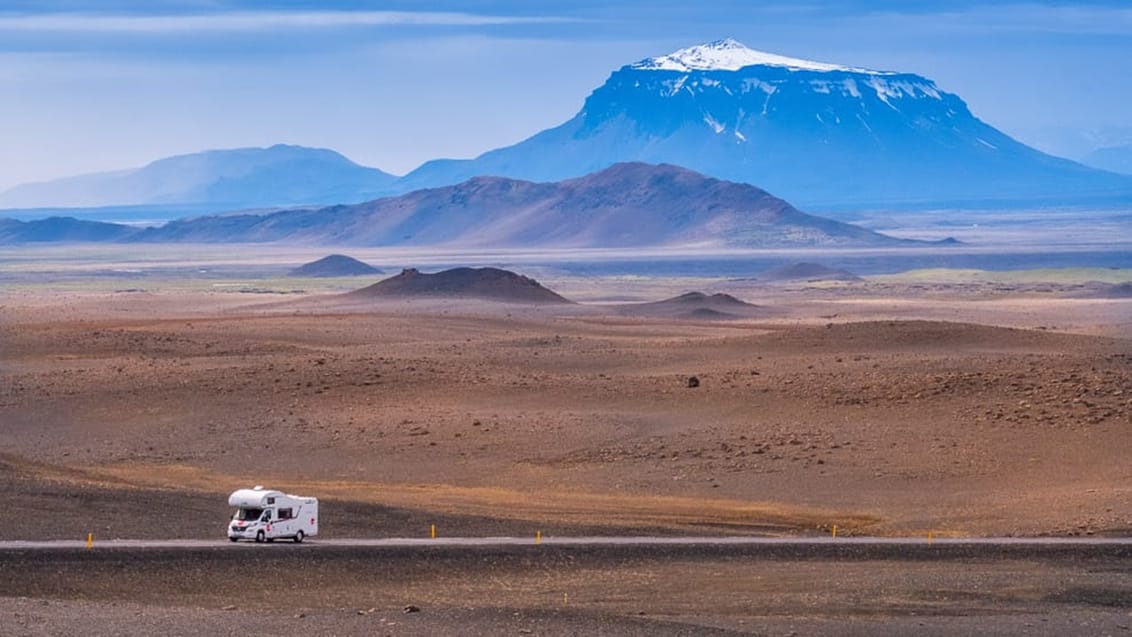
(248, 514)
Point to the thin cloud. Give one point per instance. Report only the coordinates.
(1013, 18)
(251, 21)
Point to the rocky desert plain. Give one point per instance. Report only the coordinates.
(923, 405)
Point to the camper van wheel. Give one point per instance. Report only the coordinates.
(233, 539)
(299, 537)
(259, 536)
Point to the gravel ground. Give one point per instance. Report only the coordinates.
(133, 416)
(570, 590)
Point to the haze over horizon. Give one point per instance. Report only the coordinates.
(111, 85)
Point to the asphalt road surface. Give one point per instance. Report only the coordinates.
(817, 544)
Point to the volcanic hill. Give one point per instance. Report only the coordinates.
(334, 265)
(696, 306)
(492, 284)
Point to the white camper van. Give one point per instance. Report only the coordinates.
(263, 515)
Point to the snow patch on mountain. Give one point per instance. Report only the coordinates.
(730, 55)
(752, 84)
(895, 89)
(714, 124)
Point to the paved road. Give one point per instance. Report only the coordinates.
(640, 541)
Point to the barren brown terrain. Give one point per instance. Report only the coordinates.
(884, 408)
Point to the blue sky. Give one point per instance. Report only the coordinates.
(91, 86)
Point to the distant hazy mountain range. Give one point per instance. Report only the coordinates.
(823, 136)
(624, 205)
(240, 178)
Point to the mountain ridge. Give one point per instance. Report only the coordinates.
(604, 209)
(237, 177)
(625, 205)
(826, 137)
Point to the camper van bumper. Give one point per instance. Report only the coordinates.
(235, 532)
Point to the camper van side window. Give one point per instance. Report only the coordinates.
(285, 514)
(271, 500)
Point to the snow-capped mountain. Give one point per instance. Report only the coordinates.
(278, 175)
(730, 55)
(821, 135)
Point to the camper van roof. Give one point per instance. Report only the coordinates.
(253, 498)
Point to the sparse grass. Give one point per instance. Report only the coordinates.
(250, 269)
(628, 288)
(1041, 275)
(564, 507)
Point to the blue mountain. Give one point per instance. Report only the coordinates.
(1117, 159)
(822, 136)
(243, 177)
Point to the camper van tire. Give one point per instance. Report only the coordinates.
(299, 537)
(259, 537)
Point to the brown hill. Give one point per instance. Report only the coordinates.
(491, 284)
(334, 265)
(697, 306)
(630, 204)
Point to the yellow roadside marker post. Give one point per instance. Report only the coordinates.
(538, 537)
(432, 532)
(834, 530)
(89, 541)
